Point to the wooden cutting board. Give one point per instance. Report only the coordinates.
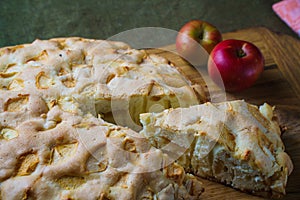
(279, 85)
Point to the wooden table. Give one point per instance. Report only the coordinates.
(279, 85)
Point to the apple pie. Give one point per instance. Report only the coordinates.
(70, 109)
(54, 95)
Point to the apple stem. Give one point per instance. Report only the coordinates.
(241, 53)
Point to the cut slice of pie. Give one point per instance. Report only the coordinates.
(234, 143)
(65, 156)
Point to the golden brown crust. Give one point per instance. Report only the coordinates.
(52, 146)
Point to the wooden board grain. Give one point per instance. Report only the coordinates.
(279, 86)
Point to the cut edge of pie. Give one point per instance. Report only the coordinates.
(97, 76)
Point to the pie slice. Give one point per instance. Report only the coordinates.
(65, 156)
(234, 143)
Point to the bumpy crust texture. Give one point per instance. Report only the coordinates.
(232, 142)
(53, 142)
(96, 76)
(65, 156)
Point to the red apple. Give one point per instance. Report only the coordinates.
(193, 36)
(236, 64)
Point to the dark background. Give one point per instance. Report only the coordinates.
(22, 21)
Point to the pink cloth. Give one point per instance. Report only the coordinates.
(289, 12)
